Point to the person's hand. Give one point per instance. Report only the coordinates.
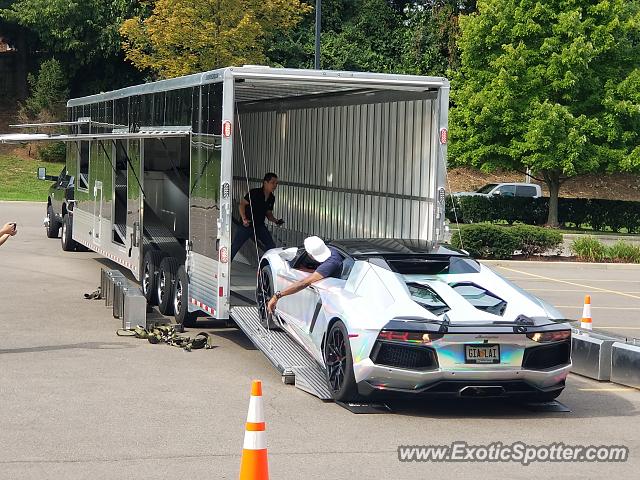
(271, 306)
(246, 222)
(9, 228)
(280, 222)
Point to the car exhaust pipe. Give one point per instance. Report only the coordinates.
(481, 391)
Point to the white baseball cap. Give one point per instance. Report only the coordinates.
(316, 248)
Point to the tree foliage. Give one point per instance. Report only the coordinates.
(552, 86)
(82, 35)
(186, 36)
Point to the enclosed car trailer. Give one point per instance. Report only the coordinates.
(159, 170)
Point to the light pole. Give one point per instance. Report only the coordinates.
(318, 17)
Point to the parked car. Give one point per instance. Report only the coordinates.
(530, 190)
(412, 319)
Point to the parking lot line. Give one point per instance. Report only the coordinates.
(591, 287)
(601, 307)
(610, 389)
(565, 290)
(566, 279)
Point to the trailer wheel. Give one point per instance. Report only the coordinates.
(339, 364)
(150, 266)
(264, 292)
(165, 283)
(67, 241)
(53, 225)
(181, 300)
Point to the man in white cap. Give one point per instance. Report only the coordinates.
(330, 262)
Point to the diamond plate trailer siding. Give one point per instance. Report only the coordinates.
(357, 154)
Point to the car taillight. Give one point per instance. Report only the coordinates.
(418, 338)
(544, 337)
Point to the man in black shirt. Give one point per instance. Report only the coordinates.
(255, 207)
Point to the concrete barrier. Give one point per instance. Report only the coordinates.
(625, 364)
(591, 354)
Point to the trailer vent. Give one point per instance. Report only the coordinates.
(444, 136)
(226, 129)
(225, 190)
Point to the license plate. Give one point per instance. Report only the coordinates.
(482, 353)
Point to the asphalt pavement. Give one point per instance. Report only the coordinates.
(78, 402)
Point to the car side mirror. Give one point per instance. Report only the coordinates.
(497, 192)
(288, 254)
(42, 173)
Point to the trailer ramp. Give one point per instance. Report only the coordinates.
(291, 360)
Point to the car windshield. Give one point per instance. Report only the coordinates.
(487, 188)
(434, 265)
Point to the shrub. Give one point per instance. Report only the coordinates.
(624, 252)
(600, 214)
(54, 152)
(486, 241)
(536, 240)
(589, 249)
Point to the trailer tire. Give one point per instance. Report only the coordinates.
(165, 282)
(339, 364)
(66, 239)
(53, 227)
(150, 266)
(181, 300)
(264, 292)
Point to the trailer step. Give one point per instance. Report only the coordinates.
(291, 360)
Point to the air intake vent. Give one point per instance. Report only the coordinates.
(402, 356)
(546, 357)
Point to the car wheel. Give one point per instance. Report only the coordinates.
(339, 364)
(164, 285)
(53, 226)
(264, 292)
(150, 266)
(181, 300)
(67, 241)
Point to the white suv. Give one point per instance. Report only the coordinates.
(530, 190)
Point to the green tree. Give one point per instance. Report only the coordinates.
(551, 86)
(186, 36)
(83, 35)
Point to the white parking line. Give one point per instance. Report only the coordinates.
(544, 279)
(612, 389)
(591, 287)
(567, 290)
(579, 307)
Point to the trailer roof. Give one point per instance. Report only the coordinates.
(260, 83)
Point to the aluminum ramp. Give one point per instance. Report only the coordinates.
(285, 354)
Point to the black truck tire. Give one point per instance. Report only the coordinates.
(66, 239)
(53, 229)
(181, 300)
(165, 283)
(150, 266)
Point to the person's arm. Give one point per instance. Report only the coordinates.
(243, 212)
(295, 288)
(273, 219)
(4, 238)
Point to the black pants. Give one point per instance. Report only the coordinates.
(245, 233)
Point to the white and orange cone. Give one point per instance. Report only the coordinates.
(586, 321)
(255, 465)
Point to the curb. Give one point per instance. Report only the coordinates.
(605, 266)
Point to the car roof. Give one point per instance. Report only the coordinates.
(370, 247)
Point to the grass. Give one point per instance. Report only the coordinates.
(18, 178)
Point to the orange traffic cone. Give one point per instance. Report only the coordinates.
(255, 465)
(586, 320)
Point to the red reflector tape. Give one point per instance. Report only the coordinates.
(220, 291)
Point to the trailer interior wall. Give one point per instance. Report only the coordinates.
(350, 164)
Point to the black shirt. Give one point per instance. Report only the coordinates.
(259, 205)
(332, 266)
